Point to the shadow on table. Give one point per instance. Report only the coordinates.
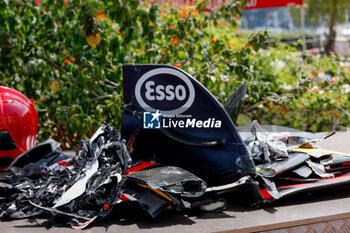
(236, 203)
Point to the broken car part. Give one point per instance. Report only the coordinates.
(273, 157)
(275, 168)
(18, 125)
(85, 188)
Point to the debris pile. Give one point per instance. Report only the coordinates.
(85, 188)
(164, 168)
(288, 161)
(101, 176)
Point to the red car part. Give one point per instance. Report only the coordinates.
(18, 125)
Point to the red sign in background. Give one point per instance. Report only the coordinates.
(251, 4)
(257, 4)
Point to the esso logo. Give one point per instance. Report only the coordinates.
(161, 92)
(165, 89)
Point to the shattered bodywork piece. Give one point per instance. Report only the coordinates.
(170, 179)
(85, 188)
(235, 101)
(80, 188)
(275, 168)
(275, 161)
(267, 150)
(42, 155)
(194, 149)
(155, 187)
(306, 168)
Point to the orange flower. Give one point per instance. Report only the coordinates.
(73, 59)
(178, 65)
(74, 108)
(174, 40)
(315, 90)
(285, 110)
(100, 16)
(213, 40)
(334, 79)
(222, 22)
(171, 27)
(195, 13)
(138, 18)
(238, 16)
(339, 100)
(150, 22)
(183, 14)
(117, 31)
(66, 61)
(137, 51)
(278, 106)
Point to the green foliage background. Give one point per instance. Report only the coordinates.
(304, 91)
(76, 85)
(67, 58)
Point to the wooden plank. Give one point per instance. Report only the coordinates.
(288, 224)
